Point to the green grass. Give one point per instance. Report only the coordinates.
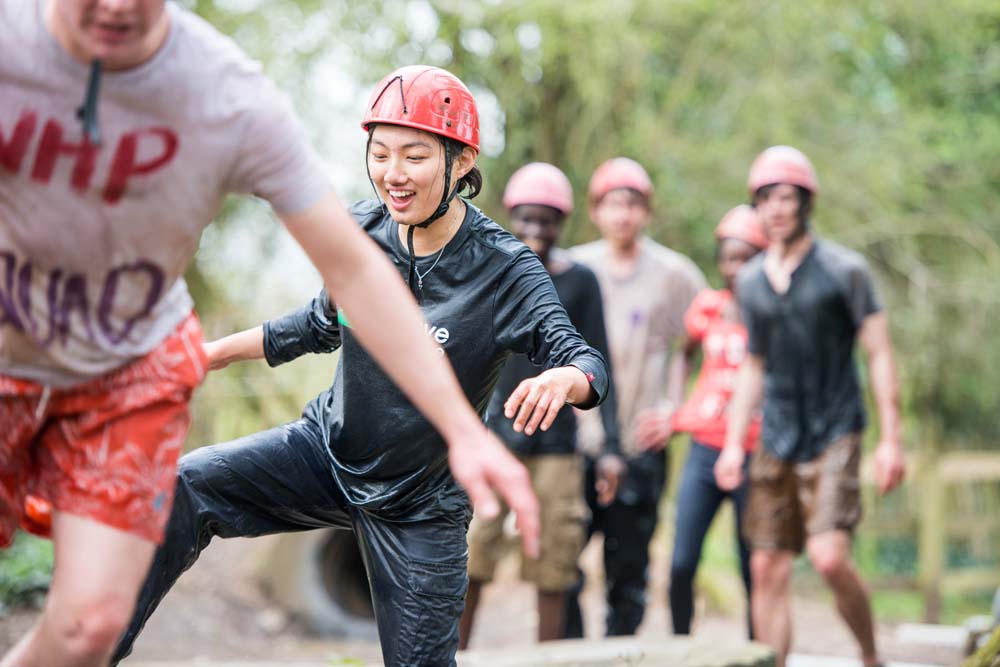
(25, 570)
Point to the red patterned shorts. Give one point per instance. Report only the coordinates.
(106, 449)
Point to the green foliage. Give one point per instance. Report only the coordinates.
(25, 570)
(895, 102)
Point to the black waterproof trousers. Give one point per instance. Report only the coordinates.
(279, 481)
(627, 525)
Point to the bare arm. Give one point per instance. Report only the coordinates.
(243, 346)
(889, 459)
(746, 397)
(387, 322)
(680, 371)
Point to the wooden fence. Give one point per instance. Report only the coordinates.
(950, 507)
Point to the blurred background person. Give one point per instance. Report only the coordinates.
(713, 324)
(805, 303)
(647, 288)
(539, 198)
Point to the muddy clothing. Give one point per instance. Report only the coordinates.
(94, 239)
(806, 337)
(581, 296)
(363, 457)
(790, 501)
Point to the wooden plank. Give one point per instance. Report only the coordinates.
(970, 579)
(930, 558)
(965, 467)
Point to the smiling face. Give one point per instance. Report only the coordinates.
(780, 208)
(407, 167)
(537, 227)
(621, 215)
(121, 33)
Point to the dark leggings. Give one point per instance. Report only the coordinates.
(279, 481)
(698, 500)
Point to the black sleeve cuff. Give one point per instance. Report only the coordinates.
(593, 366)
(310, 329)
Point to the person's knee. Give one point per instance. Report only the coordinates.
(830, 562)
(769, 571)
(92, 629)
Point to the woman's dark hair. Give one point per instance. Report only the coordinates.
(805, 200)
(471, 184)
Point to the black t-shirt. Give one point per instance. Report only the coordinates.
(580, 294)
(806, 337)
(487, 297)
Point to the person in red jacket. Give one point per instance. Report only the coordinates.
(713, 324)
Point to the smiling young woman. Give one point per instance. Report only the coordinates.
(362, 457)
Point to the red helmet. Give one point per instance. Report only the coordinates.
(782, 164)
(426, 98)
(619, 172)
(744, 224)
(539, 183)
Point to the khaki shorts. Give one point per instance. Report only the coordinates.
(558, 482)
(792, 501)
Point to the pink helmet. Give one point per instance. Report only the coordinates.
(539, 183)
(782, 164)
(619, 172)
(744, 224)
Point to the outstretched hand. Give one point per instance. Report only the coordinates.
(536, 401)
(481, 464)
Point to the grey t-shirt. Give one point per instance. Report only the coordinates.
(94, 239)
(806, 337)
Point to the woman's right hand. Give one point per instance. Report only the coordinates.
(729, 468)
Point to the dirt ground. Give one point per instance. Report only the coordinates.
(218, 611)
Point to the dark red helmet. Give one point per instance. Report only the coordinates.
(426, 98)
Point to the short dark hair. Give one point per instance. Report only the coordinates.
(805, 199)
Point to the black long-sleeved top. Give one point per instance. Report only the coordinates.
(580, 294)
(487, 297)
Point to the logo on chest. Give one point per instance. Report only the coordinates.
(439, 335)
(137, 153)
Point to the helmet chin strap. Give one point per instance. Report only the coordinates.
(447, 195)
